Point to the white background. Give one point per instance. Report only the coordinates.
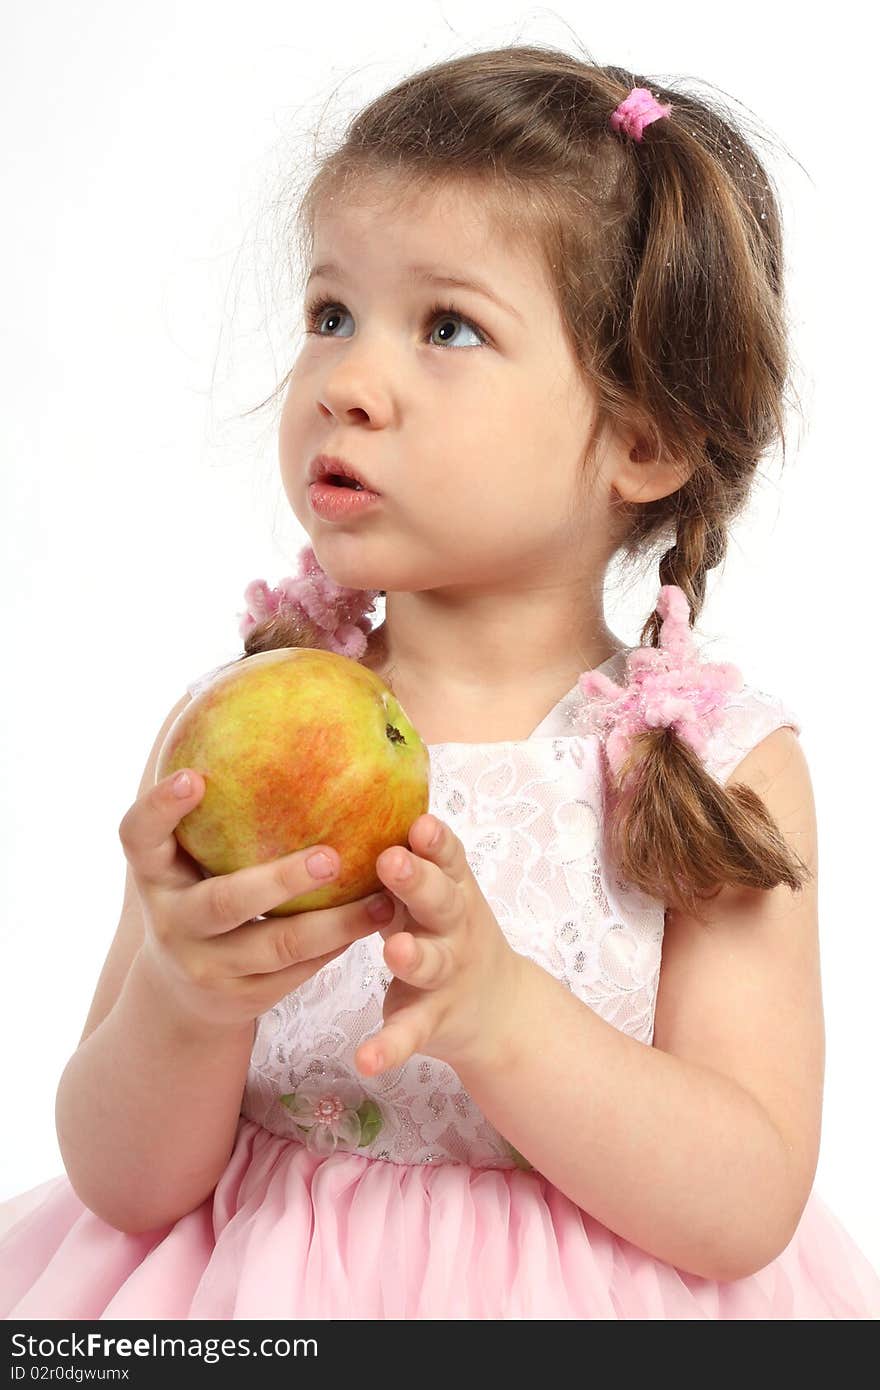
(141, 148)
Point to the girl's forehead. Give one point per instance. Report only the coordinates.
(444, 204)
(455, 234)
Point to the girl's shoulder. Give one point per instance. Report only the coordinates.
(750, 714)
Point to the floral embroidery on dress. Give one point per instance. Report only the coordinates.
(333, 1114)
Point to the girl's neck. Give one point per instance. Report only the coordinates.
(450, 713)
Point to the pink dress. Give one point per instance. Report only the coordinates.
(406, 1202)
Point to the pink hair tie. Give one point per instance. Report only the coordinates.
(638, 110)
(339, 612)
(665, 687)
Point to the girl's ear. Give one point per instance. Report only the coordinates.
(639, 475)
(637, 469)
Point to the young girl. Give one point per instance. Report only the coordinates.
(578, 1072)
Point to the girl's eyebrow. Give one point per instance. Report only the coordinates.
(428, 275)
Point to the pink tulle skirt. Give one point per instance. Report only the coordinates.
(290, 1234)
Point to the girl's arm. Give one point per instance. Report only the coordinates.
(147, 1108)
(703, 1156)
(674, 1157)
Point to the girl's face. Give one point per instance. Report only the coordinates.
(471, 423)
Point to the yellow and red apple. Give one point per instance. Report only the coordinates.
(298, 747)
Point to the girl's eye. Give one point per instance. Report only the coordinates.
(316, 309)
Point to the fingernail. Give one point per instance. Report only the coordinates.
(402, 868)
(182, 784)
(321, 864)
(380, 908)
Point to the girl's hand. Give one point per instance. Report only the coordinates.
(455, 992)
(203, 937)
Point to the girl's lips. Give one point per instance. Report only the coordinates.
(326, 466)
(335, 503)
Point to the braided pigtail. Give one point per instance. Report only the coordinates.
(673, 830)
(679, 835)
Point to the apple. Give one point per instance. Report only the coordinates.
(298, 746)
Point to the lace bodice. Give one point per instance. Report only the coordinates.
(529, 814)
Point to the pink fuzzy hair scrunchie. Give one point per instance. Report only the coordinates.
(665, 687)
(339, 613)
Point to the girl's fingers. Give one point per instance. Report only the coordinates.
(435, 841)
(432, 898)
(146, 833)
(408, 1031)
(419, 961)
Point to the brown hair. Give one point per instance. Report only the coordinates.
(666, 259)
